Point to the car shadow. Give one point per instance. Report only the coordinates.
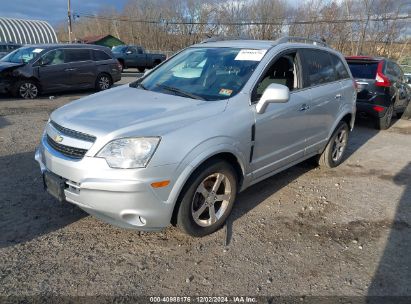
(364, 130)
(393, 275)
(26, 211)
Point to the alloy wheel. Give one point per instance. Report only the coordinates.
(340, 143)
(28, 90)
(104, 83)
(211, 199)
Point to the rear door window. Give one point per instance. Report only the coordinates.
(363, 70)
(76, 55)
(318, 68)
(100, 55)
(340, 68)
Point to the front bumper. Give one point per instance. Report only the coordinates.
(122, 197)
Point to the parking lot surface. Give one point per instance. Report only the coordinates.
(306, 231)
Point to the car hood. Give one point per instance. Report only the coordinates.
(127, 111)
(5, 65)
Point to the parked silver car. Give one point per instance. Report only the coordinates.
(177, 145)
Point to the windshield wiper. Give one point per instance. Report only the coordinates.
(179, 91)
(140, 85)
(137, 84)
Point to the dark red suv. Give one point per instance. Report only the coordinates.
(382, 90)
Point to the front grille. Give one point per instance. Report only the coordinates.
(72, 133)
(66, 150)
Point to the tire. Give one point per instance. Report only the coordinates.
(333, 153)
(384, 122)
(103, 82)
(27, 89)
(141, 69)
(199, 198)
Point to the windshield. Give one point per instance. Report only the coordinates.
(204, 73)
(22, 55)
(118, 49)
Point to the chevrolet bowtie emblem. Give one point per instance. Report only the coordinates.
(58, 138)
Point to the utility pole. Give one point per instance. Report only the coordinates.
(69, 19)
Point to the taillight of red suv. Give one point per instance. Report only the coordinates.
(381, 80)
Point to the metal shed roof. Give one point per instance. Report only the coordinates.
(26, 31)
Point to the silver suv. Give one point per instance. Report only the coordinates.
(177, 145)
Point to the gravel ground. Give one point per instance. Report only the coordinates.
(306, 231)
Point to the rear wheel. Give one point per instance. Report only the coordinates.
(103, 82)
(384, 122)
(141, 69)
(334, 152)
(123, 67)
(27, 89)
(207, 199)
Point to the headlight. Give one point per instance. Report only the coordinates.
(127, 153)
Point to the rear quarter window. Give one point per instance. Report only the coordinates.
(340, 68)
(318, 68)
(365, 70)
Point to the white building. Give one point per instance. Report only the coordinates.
(26, 31)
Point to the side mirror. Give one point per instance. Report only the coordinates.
(129, 52)
(274, 93)
(44, 61)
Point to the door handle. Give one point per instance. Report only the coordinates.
(304, 107)
(338, 96)
(68, 70)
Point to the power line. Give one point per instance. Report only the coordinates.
(285, 21)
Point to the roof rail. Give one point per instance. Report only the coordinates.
(223, 38)
(302, 40)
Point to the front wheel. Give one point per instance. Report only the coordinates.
(207, 199)
(334, 151)
(27, 89)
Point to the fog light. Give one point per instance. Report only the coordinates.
(134, 219)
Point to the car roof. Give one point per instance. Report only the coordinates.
(250, 44)
(67, 45)
(259, 44)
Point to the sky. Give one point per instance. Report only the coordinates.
(53, 11)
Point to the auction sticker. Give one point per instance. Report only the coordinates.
(251, 55)
(226, 92)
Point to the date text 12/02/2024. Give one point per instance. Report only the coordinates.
(200, 299)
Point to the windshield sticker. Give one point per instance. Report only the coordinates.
(226, 92)
(38, 50)
(251, 55)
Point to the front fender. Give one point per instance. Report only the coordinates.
(199, 155)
